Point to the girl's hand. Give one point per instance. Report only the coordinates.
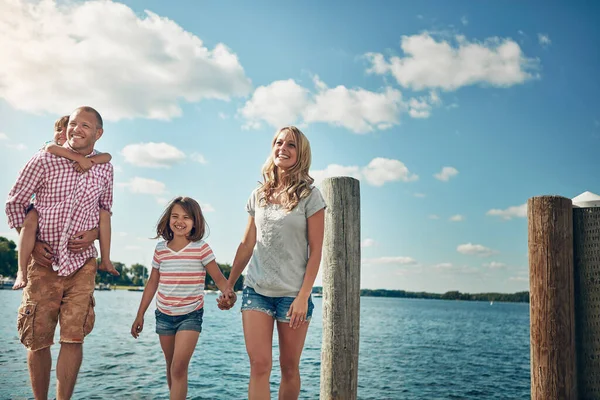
(137, 327)
(226, 300)
(83, 165)
(297, 312)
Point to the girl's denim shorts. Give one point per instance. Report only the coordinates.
(276, 307)
(171, 324)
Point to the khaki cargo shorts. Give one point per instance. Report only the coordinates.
(49, 298)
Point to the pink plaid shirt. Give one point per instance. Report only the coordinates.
(67, 202)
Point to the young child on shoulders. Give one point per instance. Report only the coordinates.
(28, 233)
(178, 274)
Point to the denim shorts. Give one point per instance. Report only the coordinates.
(276, 307)
(171, 324)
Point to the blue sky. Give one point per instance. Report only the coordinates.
(451, 115)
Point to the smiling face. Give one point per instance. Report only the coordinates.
(60, 136)
(180, 222)
(285, 150)
(83, 131)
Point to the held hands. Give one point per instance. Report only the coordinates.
(83, 165)
(137, 327)
(227, 299)
(297, 312)
(42, 254)
(82, 240)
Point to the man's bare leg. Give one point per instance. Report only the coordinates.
(67, 369)
(40, 364)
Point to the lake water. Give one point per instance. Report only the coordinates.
(409, 349)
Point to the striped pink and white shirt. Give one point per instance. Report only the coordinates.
(67, 202)
(182, 276)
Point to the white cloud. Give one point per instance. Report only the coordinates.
(335, 170)
(429, 63)
(382, 170)
(16, 146)
(510, 212)
(457, 218)
(443, 266)
(475, 250)
(358, 110)
(152, 155)
(3, 136)
(544, 40)
(494, 265)
(390, 260)
(207, 207)
(433, 216)
(199, 158)
(222, 115)
(368, 243)
(464, 20)
(101, 53)
(519, 278)
(279, 104)
(144, 186)
(446, 173)
(378, 172)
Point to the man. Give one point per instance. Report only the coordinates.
(62, 275)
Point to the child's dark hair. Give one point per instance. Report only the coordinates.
(61, 123)
(192, 208)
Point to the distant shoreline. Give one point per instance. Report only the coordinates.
(518, 297)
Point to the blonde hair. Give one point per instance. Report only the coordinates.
(296, 181)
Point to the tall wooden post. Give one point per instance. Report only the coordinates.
(341, 289)
(586, 239)
(553, 365)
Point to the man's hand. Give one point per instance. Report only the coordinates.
(107, 266)
(82, 240)
(42, 254)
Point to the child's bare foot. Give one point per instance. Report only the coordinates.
(20, 282)
(108, 267)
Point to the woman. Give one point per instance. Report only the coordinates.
(282, 242)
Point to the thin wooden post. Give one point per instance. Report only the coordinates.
(552, 320)
(341, 289)
(586, 247)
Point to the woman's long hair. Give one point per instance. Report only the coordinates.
(296, 181)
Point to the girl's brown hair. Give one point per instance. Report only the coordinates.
(192, 208)
(61, 123)
(297, 182)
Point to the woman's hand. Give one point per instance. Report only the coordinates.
(297, 312)
(227, 299)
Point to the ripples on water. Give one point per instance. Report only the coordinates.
(409, 349)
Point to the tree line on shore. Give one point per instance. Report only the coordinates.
(137, 274)
(519, 297)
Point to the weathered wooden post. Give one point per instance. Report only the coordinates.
(586, 247)
(552, 320)
(341, 289)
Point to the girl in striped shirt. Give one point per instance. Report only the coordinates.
(178, 274)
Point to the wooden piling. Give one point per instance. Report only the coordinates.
(552, 321)
(341, 289)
